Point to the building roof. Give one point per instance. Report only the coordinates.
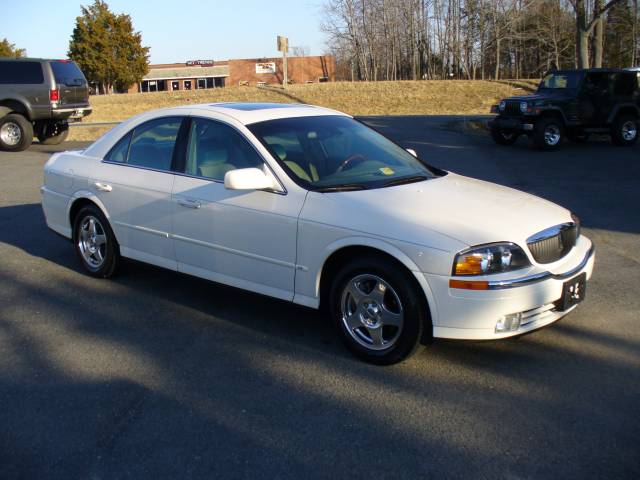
(186, 72)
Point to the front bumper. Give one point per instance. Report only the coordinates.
(508, 124)
(473, 314)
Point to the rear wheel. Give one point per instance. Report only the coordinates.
(95, 242)
(548, 133)
(624, 131)
(378, 310)
(503, 137)
(16, 133)
(54, 133)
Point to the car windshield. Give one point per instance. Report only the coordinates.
(561, 80)
(338, 153)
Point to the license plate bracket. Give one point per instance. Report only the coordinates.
(573, 292)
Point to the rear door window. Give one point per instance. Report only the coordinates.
(624, 84)
(67, 73)
(29, 73)
(153, 143)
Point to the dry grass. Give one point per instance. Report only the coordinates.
(451, 97)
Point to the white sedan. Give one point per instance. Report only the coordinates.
(309, 205)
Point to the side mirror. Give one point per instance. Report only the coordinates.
(247, 179)
(412, 152)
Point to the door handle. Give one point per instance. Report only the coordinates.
(103, 187)
(188, 203)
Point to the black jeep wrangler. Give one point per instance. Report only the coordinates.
(575, 104)
(38, 98)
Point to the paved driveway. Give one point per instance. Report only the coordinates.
(160, 375)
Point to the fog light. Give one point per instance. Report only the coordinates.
(509, 323)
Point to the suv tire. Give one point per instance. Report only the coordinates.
(502, 137)
(548, 133)
(54, 133)
(374, 289)
(16, 133)
(624, 131)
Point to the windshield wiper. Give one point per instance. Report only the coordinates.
(405, 180)
(345, 187)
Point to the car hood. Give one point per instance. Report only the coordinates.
(435, 212)
(536, 97)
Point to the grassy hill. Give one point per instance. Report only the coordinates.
(436, 97)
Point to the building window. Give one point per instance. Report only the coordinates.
(175, 85)
(202, 83)
(210, 83)
(187, 84)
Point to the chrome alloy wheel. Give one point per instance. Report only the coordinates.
(629, 130)
(92, 241)
(10, 134)
(552, 135)
(372, 312)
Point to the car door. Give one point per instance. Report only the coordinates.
(135, 184)
(241, 238)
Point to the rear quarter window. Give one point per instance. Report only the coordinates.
(29, 73)
(67, 73)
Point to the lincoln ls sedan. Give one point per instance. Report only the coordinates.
(309, 205)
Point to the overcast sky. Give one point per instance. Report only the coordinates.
(177, 30)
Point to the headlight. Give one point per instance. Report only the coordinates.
(524, 107)
(502, 105)
(492, 258)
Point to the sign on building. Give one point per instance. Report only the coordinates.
(266, 67)
(203, 63)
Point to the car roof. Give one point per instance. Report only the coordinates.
(254, 112)
(591, 70)
(30, 59)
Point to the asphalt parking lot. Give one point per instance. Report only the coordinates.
(159, 375)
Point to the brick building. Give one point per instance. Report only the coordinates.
(203, 74)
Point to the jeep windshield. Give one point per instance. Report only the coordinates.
(336, 153)
(560, 81)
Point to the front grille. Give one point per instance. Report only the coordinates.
(512, 108)
(554, 243)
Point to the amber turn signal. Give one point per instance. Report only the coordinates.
(469, 285)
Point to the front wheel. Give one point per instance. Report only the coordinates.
(378, 310)
(624, 131)
(548, 133)
(95, 242)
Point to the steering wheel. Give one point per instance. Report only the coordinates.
(348, 163)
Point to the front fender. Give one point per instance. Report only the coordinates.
(385, 247)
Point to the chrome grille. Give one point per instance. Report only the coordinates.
(553, 243)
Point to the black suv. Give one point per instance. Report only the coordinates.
(574, 103)
(38, 98)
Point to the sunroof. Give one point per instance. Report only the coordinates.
(250, 107)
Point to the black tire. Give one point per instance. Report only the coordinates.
(16, 133)
(54, 134)
(578, 136)
(401, 295)
(108, 251)
(548, 133)
(624, 131)
(502, 137)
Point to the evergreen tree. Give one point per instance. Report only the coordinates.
(9, 50)
(619, 37)
(107, 49)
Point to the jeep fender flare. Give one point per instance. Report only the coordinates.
(623, 106)
(16, 104)
(555, 111)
